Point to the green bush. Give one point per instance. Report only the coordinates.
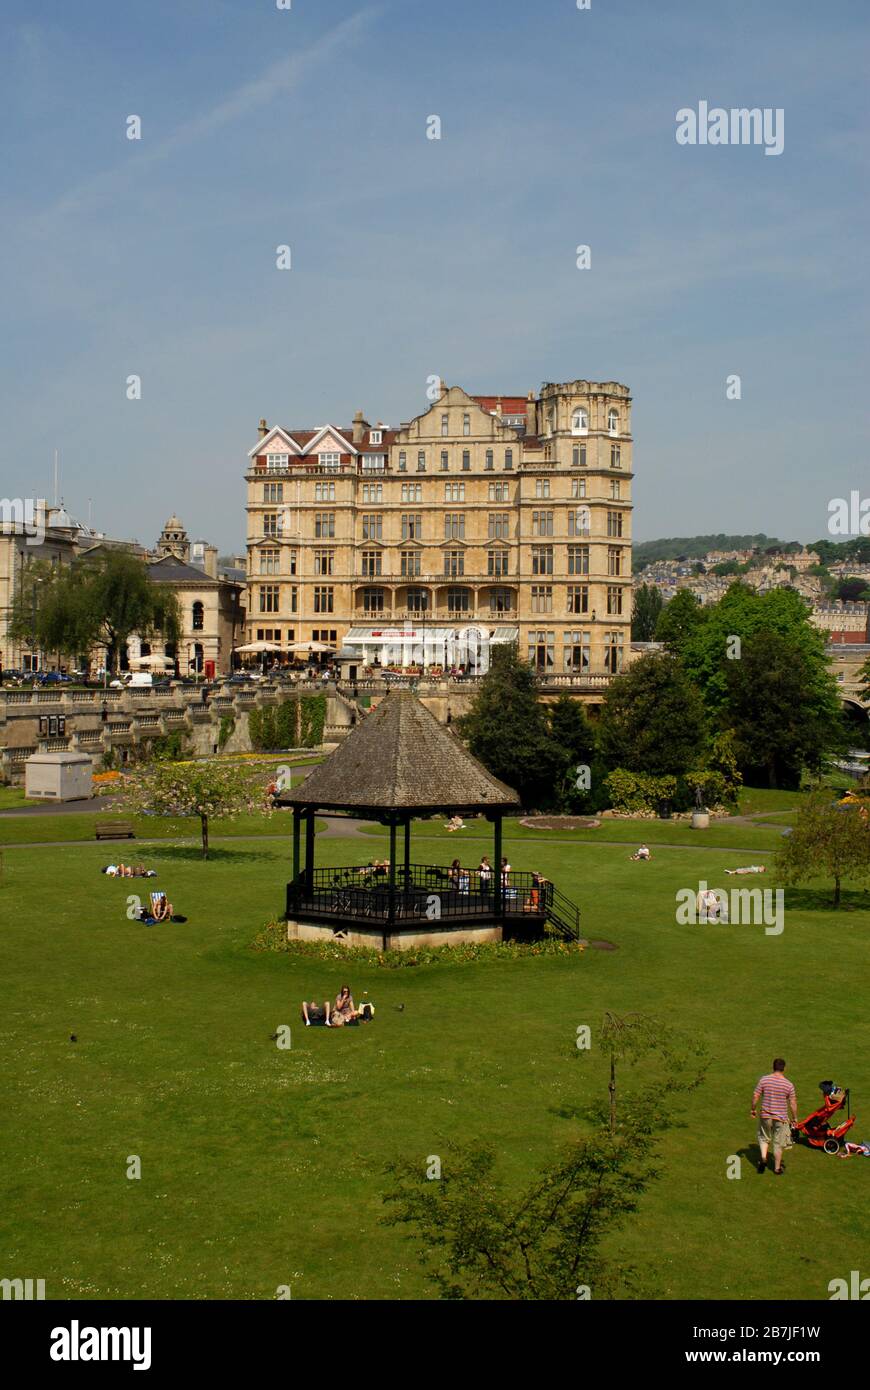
(226, 730)
(255, 728)
(714, 787)
(286, 724)
(312, 721)
(637, 791)
(273, 937)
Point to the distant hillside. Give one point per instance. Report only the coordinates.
(695, 547)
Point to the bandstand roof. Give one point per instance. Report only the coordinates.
(401, 759)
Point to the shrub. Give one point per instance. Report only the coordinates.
(226, 730)
(637, 791)
(312, 720)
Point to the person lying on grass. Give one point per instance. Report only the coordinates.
(316, 1014)
(128, 871)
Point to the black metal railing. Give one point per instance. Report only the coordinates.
(427, 894)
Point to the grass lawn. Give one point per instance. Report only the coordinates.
(477, 835)
(263, 1166)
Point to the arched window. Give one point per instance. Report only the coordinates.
(613, 421)
(580, 421)
(198, 616)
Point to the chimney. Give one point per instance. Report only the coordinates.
(531, 415)
(498, 406)
(210, 561)
(358, 427)
(264, 429)
(444, 389)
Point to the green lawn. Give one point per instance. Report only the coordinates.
(263, 1166)
(477, 835)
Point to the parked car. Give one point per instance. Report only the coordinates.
(53, 678)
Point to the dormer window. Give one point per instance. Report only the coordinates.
(612, 422)
(329, 462)
(376, 436)
(277, 463)
(580, 422)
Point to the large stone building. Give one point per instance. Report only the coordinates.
(503, 516)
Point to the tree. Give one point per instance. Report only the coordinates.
(574, 737)
(506, 728)
(827, 841)
(653, 719)
(648, 604)
(852, 590)
(202, 789)
(480, 1240)
(97, 600)
(783, 720)
(678, 620)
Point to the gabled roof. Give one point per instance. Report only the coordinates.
(170, 570)
(263, 445)
(330, 429)
(401, 759)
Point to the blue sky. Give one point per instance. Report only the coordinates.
(414, 257)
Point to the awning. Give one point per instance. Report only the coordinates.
(381, 636)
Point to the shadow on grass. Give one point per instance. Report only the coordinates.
(193, 854)
(822, 900)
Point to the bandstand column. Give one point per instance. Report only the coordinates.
(496, 864)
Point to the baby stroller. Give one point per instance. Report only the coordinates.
(817, 1129)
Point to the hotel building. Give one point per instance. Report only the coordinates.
(505, 517)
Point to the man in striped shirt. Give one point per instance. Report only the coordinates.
(778, 1101)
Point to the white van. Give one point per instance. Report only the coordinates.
(133, 678)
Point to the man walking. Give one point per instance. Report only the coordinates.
(778, 1102)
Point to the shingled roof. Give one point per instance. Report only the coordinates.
(401, 759)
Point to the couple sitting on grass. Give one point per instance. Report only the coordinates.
(128, 871)
(337, 1015)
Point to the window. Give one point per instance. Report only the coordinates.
(614, 560)
(323, 561)
(272, 634)
(508, 459)
(324, 492)
(490, 459)
(578, 559)
(541, 648)
(454, 492)
(466, 460)
(615, 456)
(498, 492)
(290, 561)
(576, 651)
(497, 562)
(578, 456)
(542, 598)
(323, 598)
(612, 421)
(500, 601)
(614, 600)
(418, 600)
(580, 421)
(421, 461)
(373, 600)
(324, 526)
(373, 463)
(322, 634)
(614, 523)
(466, 424)
(551, 421)
(454, 562)
(412, 526)
(372, 492)
(542, 487)
(372, 526)
(412, 492)
(445, 461)
(454, 526)
(375, 437)
(444, 425)
(578, 487)
(542, 523)
(273, 492)
(578, 598)
(330, 462)
(499, 524)
(458, 600)
(410, 563)
(271, 524)
(270, 561)
(578, 521)
(403, 461)
(268, 598)
(542, 559)
(198, 622)
(613, 652)
(294, 599)
(371, 562)
(277, 463)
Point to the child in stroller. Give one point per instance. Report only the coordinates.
(817, 1129)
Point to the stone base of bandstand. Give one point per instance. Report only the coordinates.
(397, 938)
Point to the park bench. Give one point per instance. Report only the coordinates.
(114, 830)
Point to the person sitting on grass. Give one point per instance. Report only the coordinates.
(344, 1009)
(642, 852)
(161, 908)
(315, 1014)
